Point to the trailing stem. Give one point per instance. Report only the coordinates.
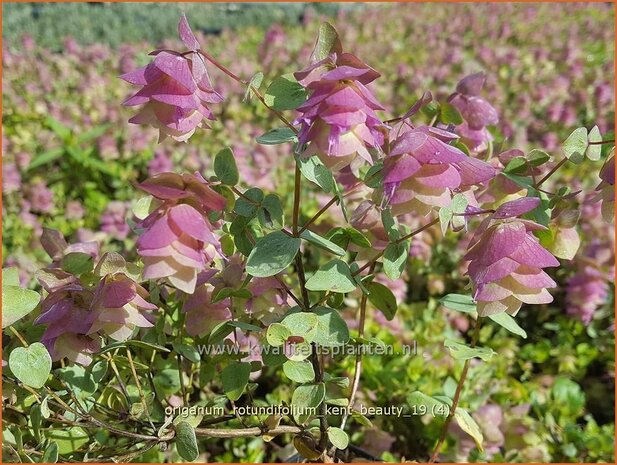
(457, 395)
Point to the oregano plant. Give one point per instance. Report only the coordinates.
(228, 282)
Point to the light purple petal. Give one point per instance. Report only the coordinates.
(516, 207)
(186, 34)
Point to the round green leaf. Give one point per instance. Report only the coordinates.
(17, 303)
(186, 441)
(383, 299)
(575, 145)
(307, 398)
(338, 437)
(458, 302)
(277, 136)
(225, 167)
(235, 377)
(285, 93)
(303, 324)
(272, 254)
(300, 372)
(331, 328)
(277, 334)
(334, 276)
(31, 365)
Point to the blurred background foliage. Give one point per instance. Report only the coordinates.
(115, 24)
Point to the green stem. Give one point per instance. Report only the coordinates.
(457, 395)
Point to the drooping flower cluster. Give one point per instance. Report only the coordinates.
(119, 306)
(507, 261)
(338, 121)
(77, 311)
(175, 90)
(179, 240)
(65, 312)
(477, 113)
(422, 170)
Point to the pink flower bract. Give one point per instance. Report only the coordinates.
(338, 120)
(179, 240)
(175, 90)
(507, 261)
(422, 170)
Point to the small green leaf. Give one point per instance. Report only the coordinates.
(450, 115)
(51, 453)
(518, 165)
(225, 167)
(334, 276)
(575, 145)
(464, 352)
(10, 277)
(338, 437)
(538, 157)
(110, 263)
(31, 365)
(426, 403)
(270, 214)
(187, 351)
(300, 372)
(249, 203)
(594, 150)
(327, 42)
(322, 242)
(445, 215)
(358, 238)
(16, 302)
(390, 224)
(374, 176)
(331, 329)
(383, 299)
(235, 377)
(505, 320)
(469, 425)
(277, 334)
(395, 259)
(458, 302)
(254, 84)
(272, 254)
(285, 93)
(277, 136)
(307, 398)
(77, 263)
(459, 203)
(186, 441)
(68, 440)
(315, 171)
(303, 324)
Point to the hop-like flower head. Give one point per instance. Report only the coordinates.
(179, 240)
(507, 261)
(175, 90)
(118, 307)
(476, 112)
(65, 311)
(422, 170)
(338, 120)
